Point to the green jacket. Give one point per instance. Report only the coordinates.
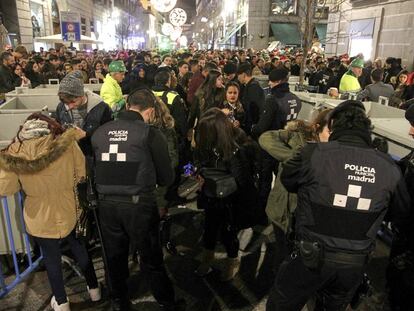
(111, 93)
(282, 145)
(349, 83)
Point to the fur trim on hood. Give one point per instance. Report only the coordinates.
(19, 164)
(300, 126)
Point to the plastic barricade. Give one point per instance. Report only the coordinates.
(16, 242)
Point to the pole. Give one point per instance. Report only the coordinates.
(307, 37)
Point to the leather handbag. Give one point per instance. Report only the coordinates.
(218, 183)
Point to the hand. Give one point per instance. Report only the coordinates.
(81, 133)
(163, 212)
(236, 124)
(190, 134)
(200, 180)
(226, 111)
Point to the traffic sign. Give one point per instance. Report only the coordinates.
(71, 26)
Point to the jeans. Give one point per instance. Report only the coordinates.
(136, 225)
(52, 259)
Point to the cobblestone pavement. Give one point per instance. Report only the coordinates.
(246, 292)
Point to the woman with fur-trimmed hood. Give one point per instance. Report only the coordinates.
(45, 162)
(282, 145)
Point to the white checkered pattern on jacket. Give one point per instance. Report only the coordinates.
(354, 191)
(113, 149)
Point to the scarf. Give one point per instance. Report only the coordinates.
(33, 129)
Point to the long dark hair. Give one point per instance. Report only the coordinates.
(208, 89)
(215, 135)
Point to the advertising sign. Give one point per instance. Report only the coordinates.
(71, 26)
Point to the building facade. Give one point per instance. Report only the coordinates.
(256, 23)
(374, 28)
(115, 23)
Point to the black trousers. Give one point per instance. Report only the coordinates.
(52, 256)
(136, 225)
(217, 226)
(333, 284)
(269, 166)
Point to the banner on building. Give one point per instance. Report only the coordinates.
(71, 26)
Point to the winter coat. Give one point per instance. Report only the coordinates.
(8, 80)
(201, 104)
(195, 83)
(349, 83)
(373, 91)
(243, 203)
(44, 169)
(253, 99)
(282, 145)
(111, 92)
(98, 113)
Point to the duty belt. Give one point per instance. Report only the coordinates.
(134, 199)
(345, 258)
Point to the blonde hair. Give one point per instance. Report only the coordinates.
(162, 116)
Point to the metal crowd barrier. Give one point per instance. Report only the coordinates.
(19, 273)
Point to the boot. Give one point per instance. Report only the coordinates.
(62, 307)
(231, 268)
(206, 259)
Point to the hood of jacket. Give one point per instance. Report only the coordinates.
(93, 99)
(34, 155)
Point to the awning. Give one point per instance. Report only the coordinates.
(231, 33)
(286, 33)
(58, 39)
(321, 31)
(362, 28)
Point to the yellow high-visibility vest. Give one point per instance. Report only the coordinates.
(170, 96)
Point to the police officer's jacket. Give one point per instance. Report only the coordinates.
(131, 157)
(176, 107)
(281, 106)
(344, 188)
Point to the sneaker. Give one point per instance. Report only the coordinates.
(59, 307)
(95, 293)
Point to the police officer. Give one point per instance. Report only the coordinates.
(131, 158)
(178, 110)
(280, 107)
(344, 188)
(401, 263)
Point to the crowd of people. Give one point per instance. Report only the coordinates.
(156, 116)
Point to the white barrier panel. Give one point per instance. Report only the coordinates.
(389, 122)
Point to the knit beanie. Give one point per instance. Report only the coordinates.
(33, 129)
(72, 85)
